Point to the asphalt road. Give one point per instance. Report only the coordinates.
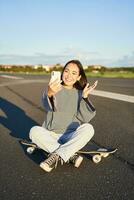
(20, 174)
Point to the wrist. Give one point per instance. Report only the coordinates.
(84, 97)
(49, 94)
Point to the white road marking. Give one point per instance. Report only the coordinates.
(101, 93)
(23, 82)
(112, 95)
(11, 77)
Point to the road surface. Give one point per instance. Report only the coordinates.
(20, 174)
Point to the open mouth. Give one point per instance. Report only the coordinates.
(68, 80)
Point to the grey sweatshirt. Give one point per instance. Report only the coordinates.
(68, 111)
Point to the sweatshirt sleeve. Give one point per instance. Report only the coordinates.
(86, 111)
(48, 103)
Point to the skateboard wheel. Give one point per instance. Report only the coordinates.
(96, 158)
(30, 150)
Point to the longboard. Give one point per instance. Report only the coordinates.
(97, 155)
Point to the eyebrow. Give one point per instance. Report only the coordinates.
(72, 71)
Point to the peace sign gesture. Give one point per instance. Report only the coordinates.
(88, 89)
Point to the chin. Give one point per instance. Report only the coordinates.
(68, 84)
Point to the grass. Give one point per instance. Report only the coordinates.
(88, 74)
(111, 74)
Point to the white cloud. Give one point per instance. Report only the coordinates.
(86, 57)
(126, 60)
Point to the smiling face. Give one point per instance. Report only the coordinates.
(70, 75)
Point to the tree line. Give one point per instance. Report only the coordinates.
(59, 67)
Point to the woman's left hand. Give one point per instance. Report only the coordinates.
(88, 89)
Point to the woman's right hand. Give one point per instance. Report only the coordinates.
(54, 87)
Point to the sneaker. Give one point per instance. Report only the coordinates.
(76, 160)
(51, 162)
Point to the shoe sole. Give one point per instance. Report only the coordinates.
(45, 167)
(78, 162)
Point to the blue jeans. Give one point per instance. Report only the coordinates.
(65, 145)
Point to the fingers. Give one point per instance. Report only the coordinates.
(94, 85)
(55, 86)
(88, 89)
(55, 82)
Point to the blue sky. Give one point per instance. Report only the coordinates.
(55, 31)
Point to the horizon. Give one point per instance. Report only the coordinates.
(51, 32)
(60, 65)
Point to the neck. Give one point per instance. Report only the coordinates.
(68, 87)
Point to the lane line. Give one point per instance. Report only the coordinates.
(23, 82)
(11, 77)
(112, 95)
(101, 93)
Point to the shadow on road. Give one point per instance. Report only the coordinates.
(19, 125)
(15, 120)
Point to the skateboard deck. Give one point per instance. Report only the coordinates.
(96, 154)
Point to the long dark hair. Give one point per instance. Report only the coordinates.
(83, 80)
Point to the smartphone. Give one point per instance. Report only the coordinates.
(55, 75)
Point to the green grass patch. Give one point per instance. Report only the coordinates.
(111, 74)
(122, 74)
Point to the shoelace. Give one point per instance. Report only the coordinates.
(74, 157)
(54, 158)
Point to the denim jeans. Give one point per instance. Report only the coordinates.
(65, 145)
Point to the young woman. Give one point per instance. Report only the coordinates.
(66, 128)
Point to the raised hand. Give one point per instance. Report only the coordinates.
(88, 89)
(54, 87)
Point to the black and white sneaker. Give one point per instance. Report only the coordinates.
(76, 160)
(51, 162)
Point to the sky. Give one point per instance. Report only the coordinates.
(48, 32)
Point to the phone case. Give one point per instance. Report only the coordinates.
(55, 75)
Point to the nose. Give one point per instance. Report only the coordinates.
(68, 75)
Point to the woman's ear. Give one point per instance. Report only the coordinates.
(79, 77)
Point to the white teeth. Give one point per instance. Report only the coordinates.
(68, 80)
